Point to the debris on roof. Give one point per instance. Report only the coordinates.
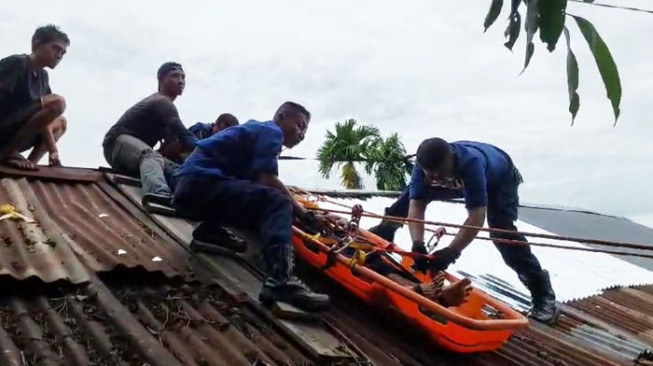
(90, 219)
(34, 249)
(150, 323)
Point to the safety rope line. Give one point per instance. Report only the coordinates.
(490, 230)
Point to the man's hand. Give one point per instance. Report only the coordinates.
(443, 258)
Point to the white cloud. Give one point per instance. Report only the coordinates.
(417, 68)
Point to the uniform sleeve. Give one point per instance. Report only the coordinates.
(418, 189)
(10, 71)
(266, 152)
(174, 125)
(475, 183)
(222, 145)
(196, 130)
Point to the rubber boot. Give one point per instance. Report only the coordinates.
(386, 230)
(282, 286)
(545, 309)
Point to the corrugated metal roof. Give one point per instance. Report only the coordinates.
(88, 218)
(34, 249)
(130, 320)
(143, 324)
(592, 226)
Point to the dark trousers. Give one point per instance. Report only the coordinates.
(502, 212)
(246, 205)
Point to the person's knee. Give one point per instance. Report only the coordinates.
(151, 155)
(56, 104)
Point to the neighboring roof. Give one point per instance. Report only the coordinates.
(588, 225)
(142, 312)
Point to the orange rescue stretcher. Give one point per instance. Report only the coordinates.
(480, 324)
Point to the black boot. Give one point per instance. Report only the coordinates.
(214, 238)
(545, 309)
(386, 230)
(293, 292)
(282, 286)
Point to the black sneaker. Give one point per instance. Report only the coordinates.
(293, 292)
(216, 239)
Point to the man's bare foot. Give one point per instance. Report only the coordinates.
(457, 293)
(17, 161)
(53, 160)
(432, 290)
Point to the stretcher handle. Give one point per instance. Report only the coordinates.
(513, 321)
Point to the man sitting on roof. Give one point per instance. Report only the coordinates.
(31, 116)
(231, 179)
(489, 181)
(172, 149)
(128, 144)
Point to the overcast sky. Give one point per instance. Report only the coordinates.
(419, 68)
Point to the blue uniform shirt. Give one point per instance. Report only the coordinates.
(479, 167)
(201, 130)
(239, 152)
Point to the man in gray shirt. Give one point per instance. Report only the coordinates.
(128, 145)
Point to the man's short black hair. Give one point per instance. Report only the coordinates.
(166, 68)
(227, 119)
(294, 107)
(48, 33)
(432, 152)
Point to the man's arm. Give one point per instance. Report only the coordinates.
(416, 211)
(272, 180)
(175, 126)
(475, 217)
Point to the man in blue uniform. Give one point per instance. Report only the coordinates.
(31, 116)
(231, 178)
(203, 130)
(488, 180)
(172, 149)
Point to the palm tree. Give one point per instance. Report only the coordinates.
(388, 161)
(350, 144)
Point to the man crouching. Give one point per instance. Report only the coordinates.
(231, 178)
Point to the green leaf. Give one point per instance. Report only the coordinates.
(572, 79)
(512, 32)
(552, 19)
(531, 25)
(605, 63)
(493, 14)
